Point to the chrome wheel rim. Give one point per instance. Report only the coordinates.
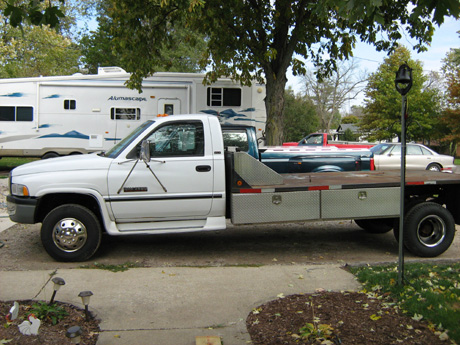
(69, 235)
(431, 231)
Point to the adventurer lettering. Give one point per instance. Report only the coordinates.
(122, 98)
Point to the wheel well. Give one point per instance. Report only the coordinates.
(49, 202)
(434, 163)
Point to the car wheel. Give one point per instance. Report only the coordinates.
(433, 167)
(429, 229)
(71, 233)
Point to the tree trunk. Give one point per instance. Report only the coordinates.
(274, 105)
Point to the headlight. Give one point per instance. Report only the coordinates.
(19, 190)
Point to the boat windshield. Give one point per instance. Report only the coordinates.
(118, 148)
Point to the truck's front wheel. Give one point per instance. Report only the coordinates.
(71, 233)
(429, 229)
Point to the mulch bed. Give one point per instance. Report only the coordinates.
(355, 319)
(48, 333)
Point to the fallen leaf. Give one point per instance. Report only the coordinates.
(374, 317)
(417, 317)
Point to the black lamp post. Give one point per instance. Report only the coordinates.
(403, 83)
(85, 296)
(58, 282)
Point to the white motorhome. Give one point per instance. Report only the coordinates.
(61, 115)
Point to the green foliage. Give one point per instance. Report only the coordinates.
(35, 51)
(48, 312)
(450, 118)
(8, 163)
(350, 119)
(33, 12)
(313, 332)
(300, 118)
(348, 135)
(431, 292)
(383, 103)
(178, 51)
(112, 268)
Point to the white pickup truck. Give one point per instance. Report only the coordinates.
(174, 175)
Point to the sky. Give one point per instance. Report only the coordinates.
(444, 38)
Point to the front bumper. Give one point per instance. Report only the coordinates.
(21, 210)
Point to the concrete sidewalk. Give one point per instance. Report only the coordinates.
(172, 305)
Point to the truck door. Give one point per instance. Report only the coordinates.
(179, 163)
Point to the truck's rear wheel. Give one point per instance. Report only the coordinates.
(429, 229)
(71, 233)
(375, 226)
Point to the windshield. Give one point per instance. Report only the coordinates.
(380, 148)
(115, 151)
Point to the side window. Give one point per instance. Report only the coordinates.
(70, 104)
(396, 150)
(125, 113)
(238, 138)
(426, 152)
(177, 140)
(315, 139)
(223, 97)
(20, 114)
(413, 150)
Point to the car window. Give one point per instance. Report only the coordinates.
(380, 148)
(396, 150)
(426, 152)
(414, 150)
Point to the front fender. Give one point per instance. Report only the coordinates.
(72, 195)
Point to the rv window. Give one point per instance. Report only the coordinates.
(24, 114)
(223, 97)
(169, 109)
(125, 113)
(16, 113)
(70, 104)
(7, 113)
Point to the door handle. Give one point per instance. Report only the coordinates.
(203, 168)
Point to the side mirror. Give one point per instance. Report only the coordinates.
(145, 151)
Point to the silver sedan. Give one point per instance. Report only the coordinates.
(418, 157)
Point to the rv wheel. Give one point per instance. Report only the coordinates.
(71, 233)
(50, 155)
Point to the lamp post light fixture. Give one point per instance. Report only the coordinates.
(85, 296)
(403, 83)
(74, 334)
(58, 282)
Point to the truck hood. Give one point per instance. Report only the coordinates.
(68, 163)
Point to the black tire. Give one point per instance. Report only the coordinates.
(375, 226)
(434, 167)
(429, 229)
(71, 233)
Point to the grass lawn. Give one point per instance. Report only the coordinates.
(431, 292)
(8, 163)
